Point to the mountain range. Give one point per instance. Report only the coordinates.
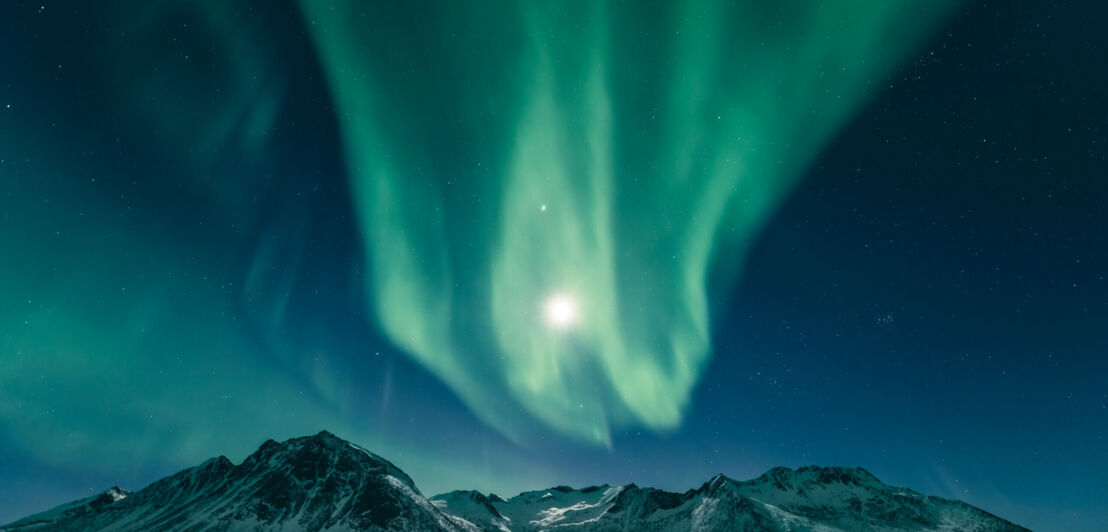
(323, 482)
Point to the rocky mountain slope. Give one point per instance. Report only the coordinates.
(809, 498)
(322, 482)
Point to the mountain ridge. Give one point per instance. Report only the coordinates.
(323, 482)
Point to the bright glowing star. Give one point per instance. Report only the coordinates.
(560, 311)
(543, 208)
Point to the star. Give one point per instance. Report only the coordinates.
(560, 311)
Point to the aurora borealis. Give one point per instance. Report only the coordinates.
(514, 244)
(613, 166)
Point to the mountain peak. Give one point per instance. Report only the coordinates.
(716, 483)
(219, 463)
(720, 477)
(784, 477)
(324, 435)
(318, 456)
(116, 493)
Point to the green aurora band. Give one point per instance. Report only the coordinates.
(502, 153)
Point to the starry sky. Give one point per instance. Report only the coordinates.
(517, 244)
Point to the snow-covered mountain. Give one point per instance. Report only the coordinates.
(818, 499)
(324, 483)
(71, 511)
(313, 483)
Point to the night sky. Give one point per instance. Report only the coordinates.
(513, 245)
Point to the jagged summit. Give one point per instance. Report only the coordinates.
(114, 493)
(715, 483)
(316, 456)
(322, 482)
(321, 440)
(72, 511)
(784, 477)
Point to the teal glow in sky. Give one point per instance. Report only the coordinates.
(510, 245)
(599, 153)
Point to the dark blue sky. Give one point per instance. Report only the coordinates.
(929, 302)
(932, 300)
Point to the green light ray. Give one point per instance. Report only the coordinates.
(604, 152)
